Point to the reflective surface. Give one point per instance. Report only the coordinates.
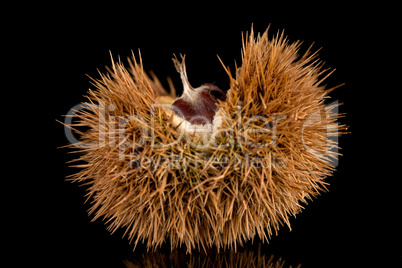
(244, 257)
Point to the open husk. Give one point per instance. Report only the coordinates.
(267, 152)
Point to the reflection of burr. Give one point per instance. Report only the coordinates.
(214, 168)
(211, 258)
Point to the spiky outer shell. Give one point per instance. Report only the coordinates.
(268, 155)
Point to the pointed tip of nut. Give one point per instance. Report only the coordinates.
(181, 69)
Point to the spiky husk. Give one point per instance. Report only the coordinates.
(270, 154)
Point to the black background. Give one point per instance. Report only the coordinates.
(340, 228)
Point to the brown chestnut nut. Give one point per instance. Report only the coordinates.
(197, 105)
